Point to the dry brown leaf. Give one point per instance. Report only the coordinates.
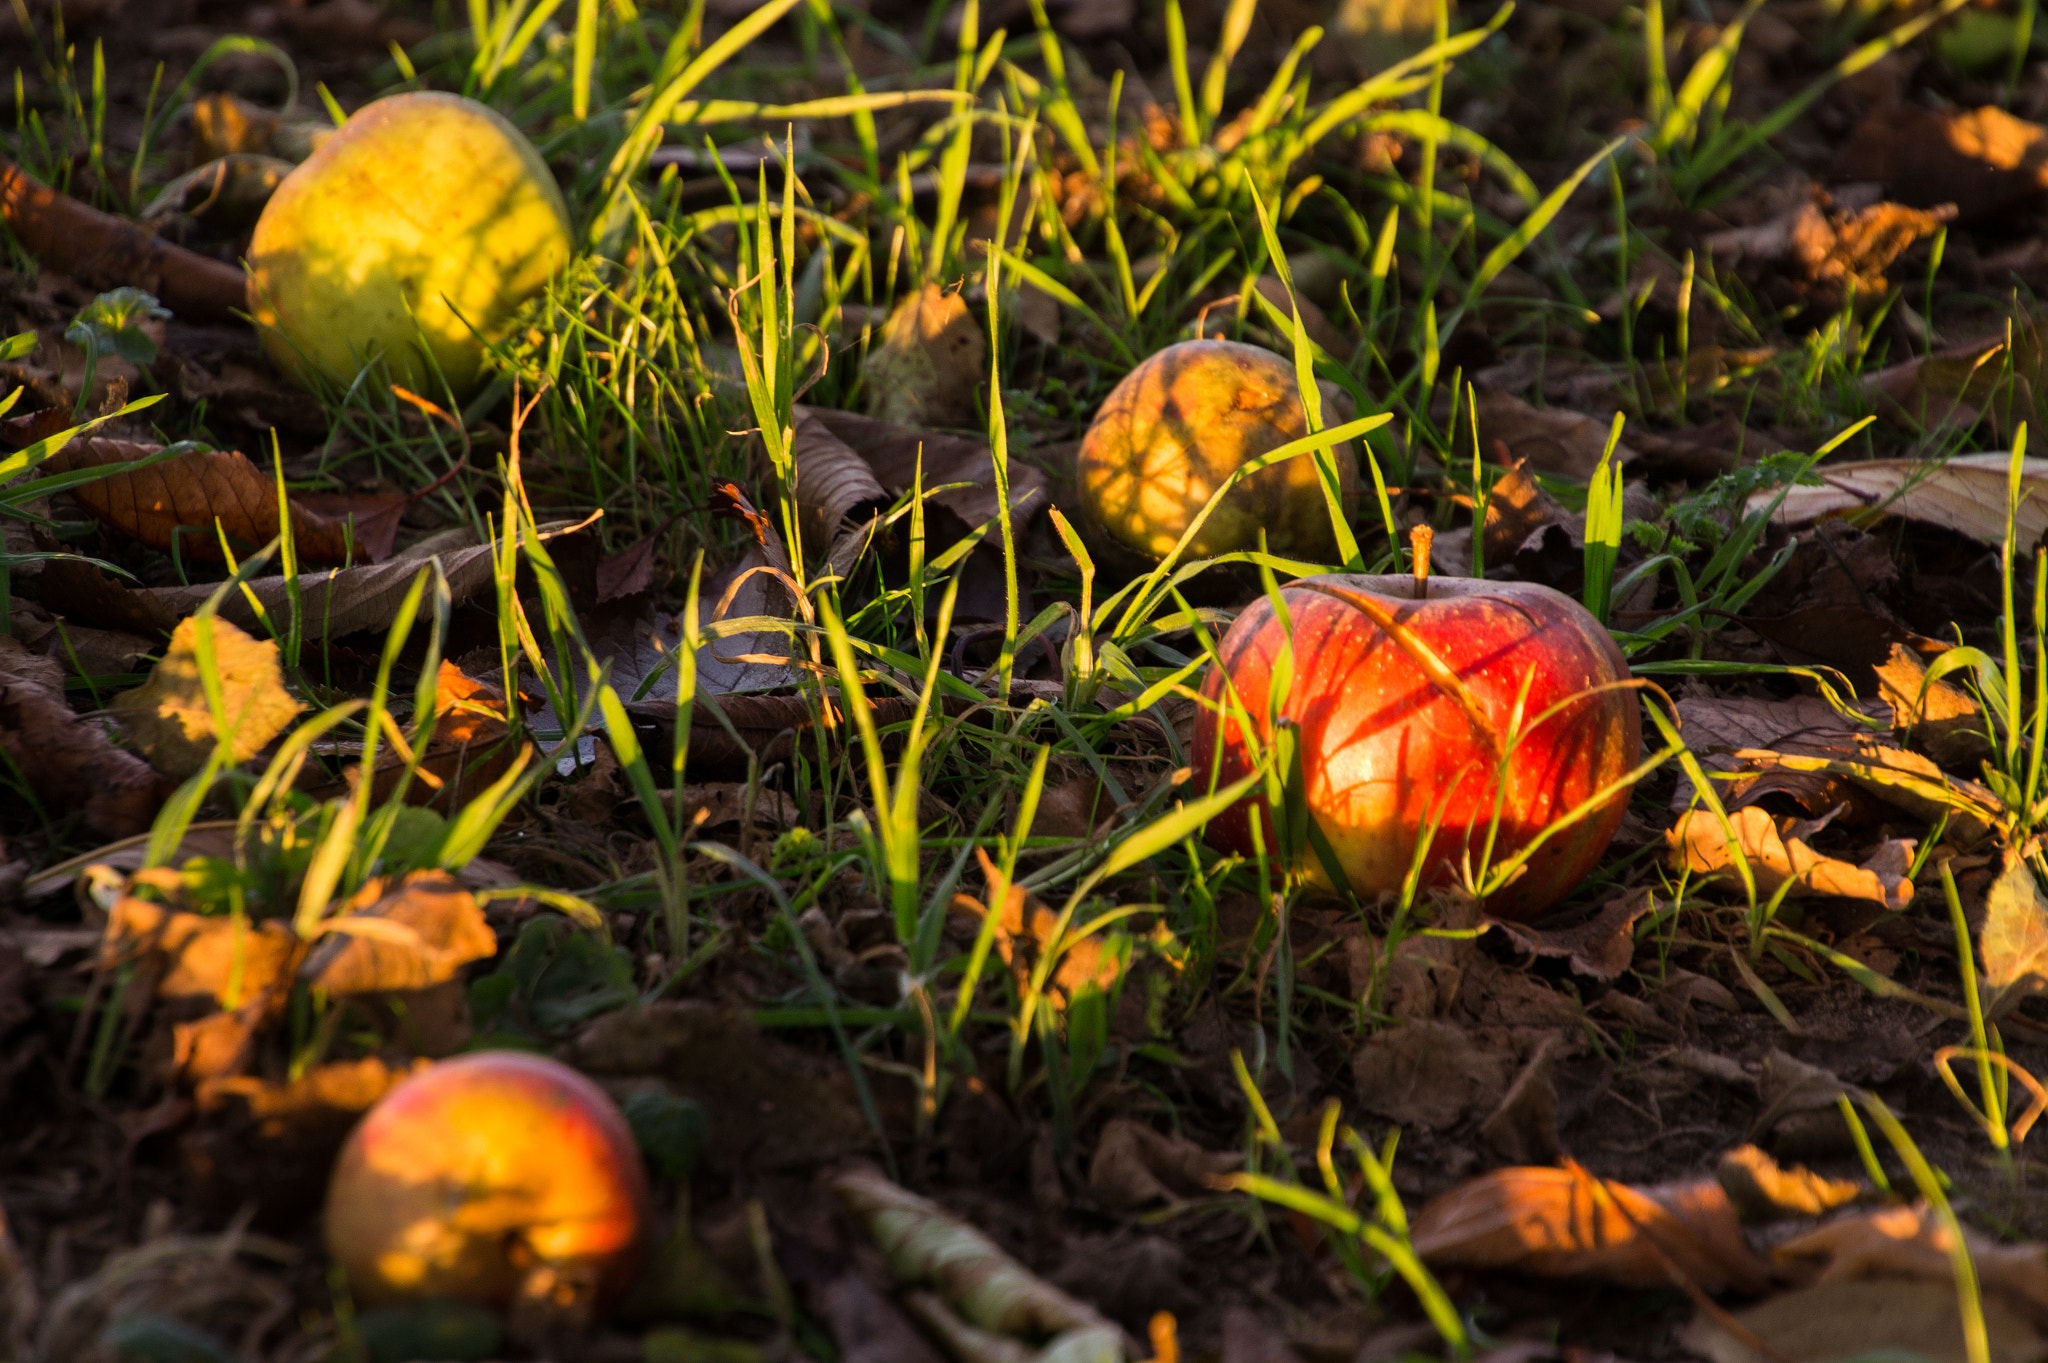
(1565, 1223)
(1600, 947)
(1554, 440)
(832, 481)
(899, 457)
(2013, 939)
(224, 962)
(223, 124)
(181, 500)
(1135, 1166)
(1083, 961)
(1432, 1075)
(1984, 161)
(71, 765)
(409, 936)
(334, 604)
(1778, 854)
(1920, 1321)
(930, 363)
(1762, 1190)
(1965, 494)
(1831, 254)
(1942, 718)
(170, 718)
(1912, 1242)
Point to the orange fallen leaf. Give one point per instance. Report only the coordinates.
(411, 935)
(180, 500)
(1565, 1223)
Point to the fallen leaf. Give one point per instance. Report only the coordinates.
(930, 364)
(177, 503)
(2014, 938)
(1763, 1191)
(1555, 440)
(1431, 1074)
(1565, 1223)
(438, 929)
(223, 124)
(1831, 254)
(1911, 1242)
(1599, 948)
(1984, 161)
(631, 571)
(902, 457)
(1084, 962)
(1777, 854)
(170, 719)
(198, 957)
(1942, 718)
(833, 482)
(70, 764)
(228, 194)
(1965, 494)
(1135, 1166)
(1920, 1321)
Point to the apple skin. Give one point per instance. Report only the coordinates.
(469, 1175)
(423, 208)
(1382, 747)
(1179, 424)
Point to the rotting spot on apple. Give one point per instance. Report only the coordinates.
(1178, 425)
(486, 1178)
(1386, 748)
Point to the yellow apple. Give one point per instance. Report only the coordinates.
(426, 218)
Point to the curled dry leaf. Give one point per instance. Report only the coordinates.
(1565, 1223)
(170, 719)
(1135, 1166)
(986, 1289)
(1844, 1320)
(406, 936)
(1941, 719)
(70, 764)
(1083, 963)
(1601, 947)
(180, 501)
(1832, 253)
(1965, 494)
(227, 194)
(1762, 1190)
(1433, 1075)
(832, 481)
(102, 251)
(1913, 1243)
(1777, 853)
(930, 363)
(2014, 938)
(902, 458)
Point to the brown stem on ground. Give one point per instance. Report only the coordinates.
(102, 251)
(1420, 537)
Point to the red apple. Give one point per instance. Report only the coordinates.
(1406, 706)
(487, 1177)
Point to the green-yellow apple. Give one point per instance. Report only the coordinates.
(477, 1174)
(1452, 702)
(1178, 425)
(426, 217)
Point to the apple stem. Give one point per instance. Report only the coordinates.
(1433, 667)
(1420, 537)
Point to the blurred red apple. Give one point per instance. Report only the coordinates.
(487, 1177)
(1407, 708)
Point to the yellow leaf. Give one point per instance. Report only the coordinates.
(168, 715)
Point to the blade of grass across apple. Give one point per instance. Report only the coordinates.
(1149, 595)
